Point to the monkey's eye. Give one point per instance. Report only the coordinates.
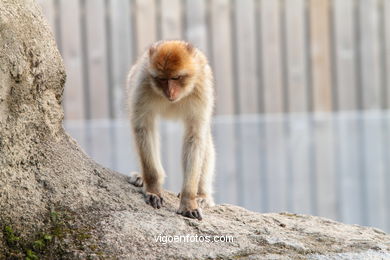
(177, 78)
(160, 79)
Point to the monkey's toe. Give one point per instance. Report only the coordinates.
(136, 179)
(196, 213)
(154, 200)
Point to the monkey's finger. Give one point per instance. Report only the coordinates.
(150, 200)
(189, 214)
(155, 200)
(158, 203)
(199, 214)
(195, 214)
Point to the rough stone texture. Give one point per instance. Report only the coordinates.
(44, 172)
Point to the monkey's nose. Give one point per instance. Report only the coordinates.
(171, 97)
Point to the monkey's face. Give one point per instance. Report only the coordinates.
(172, 69)
(173, 88)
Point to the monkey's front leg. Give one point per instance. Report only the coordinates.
(152, 171)
(193, 153)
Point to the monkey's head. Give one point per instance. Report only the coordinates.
(172, 68)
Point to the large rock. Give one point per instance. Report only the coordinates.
(56, 203)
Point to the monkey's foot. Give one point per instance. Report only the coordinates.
(205, 201)
(136, 179)
(154, 200)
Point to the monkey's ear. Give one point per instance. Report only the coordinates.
(154, 47)
(190, 48)
(152, 50)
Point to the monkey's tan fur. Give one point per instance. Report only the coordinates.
(173, 80)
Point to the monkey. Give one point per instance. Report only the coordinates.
(173, 80)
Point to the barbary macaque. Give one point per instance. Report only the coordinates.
(173, 80)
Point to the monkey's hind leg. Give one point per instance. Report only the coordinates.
(205, 188)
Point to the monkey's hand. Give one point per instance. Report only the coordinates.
(189, 208)
(155, 200)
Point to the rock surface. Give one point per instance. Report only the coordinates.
(56, 203)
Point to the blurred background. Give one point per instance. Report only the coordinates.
(302, 120)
